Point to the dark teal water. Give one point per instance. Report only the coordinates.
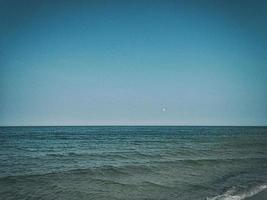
(132, 162)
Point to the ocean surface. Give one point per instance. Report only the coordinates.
(132, 162)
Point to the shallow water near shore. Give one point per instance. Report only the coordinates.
(132, 162)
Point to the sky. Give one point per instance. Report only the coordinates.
(133, 62)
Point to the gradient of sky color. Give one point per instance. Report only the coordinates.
(133, 62)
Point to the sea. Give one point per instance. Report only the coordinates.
(132, 162)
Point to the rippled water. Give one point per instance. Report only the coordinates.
(132, 162)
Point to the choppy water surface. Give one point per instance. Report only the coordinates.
(132, 162)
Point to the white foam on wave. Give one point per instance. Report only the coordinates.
(229, 195)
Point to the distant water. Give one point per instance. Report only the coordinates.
(181, 163)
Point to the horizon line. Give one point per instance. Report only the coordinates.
(106, 125)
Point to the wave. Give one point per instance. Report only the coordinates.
(150, 165)
(230, 194)
(104, 181)
(212, 159)
(101, 171)
(91, 155)
(119, 155)
(109, 170)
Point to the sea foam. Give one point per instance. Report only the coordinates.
(229, 194)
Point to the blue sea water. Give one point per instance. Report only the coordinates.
(132, 162)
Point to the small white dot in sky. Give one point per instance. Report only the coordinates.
(163, 109)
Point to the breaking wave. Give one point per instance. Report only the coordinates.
(233, 195)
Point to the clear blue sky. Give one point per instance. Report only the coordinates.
(133, 62)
